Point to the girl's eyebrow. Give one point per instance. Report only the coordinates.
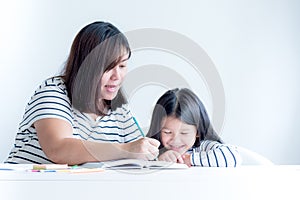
(185, 130)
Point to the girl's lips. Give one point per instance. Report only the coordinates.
(177, 148)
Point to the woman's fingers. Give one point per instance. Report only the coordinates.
(153, 142)
(144, 148)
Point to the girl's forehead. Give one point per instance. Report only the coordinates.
(175, 123)
(172, 121)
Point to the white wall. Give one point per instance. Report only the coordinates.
(253, 43)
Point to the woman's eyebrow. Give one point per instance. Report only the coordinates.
(125, 59)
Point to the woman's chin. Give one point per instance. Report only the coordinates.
(110, 96)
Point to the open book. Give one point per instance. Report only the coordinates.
(135, 164)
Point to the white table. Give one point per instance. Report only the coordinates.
(243, 183)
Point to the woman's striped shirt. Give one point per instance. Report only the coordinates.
(214, 154)
(50, 100)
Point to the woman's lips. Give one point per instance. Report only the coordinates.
(111, 88)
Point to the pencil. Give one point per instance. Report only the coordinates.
(135, 121)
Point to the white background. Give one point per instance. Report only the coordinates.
(254, 45)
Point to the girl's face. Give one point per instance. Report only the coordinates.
(177, 135)
(111, 80)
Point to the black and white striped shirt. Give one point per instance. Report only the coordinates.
(50, 100)
(214, 154)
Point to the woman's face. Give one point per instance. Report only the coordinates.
(177, 135)
(111, 80)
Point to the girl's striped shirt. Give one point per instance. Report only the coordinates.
(214, 154)
(50, 100)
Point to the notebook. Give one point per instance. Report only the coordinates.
(134, 164)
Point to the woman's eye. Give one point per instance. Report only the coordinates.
(167, 132)
(123, 66)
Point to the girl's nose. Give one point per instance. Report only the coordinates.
(174, 139)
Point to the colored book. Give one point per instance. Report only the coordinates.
(50, 166)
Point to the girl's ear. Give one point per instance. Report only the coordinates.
(197, 141)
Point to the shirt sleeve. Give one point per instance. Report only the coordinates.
(50, 100)
(215, 154)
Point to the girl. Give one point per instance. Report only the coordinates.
(180, 122)
(82, 115)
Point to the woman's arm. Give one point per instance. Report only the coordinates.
(214, 154)
(56, 139)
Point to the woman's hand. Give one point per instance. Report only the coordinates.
(144, 148)
(171, 156)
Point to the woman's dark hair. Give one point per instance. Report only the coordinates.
(182, 104)
(97, 48)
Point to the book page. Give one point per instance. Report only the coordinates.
(124, 164)
(165, 165)
(140, 164)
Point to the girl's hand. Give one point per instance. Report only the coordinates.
(171, 156)
(186, 159)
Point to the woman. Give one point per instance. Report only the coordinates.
(82, 116)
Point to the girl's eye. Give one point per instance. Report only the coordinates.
(123, 66)
(184, 133)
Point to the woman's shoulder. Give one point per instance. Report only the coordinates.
(56, 81)
(123, 111)
(53, 83)
(53, 87)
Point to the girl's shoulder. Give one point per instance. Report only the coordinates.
(208, 144)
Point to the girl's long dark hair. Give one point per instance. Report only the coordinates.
(97, 48)
(186, 106)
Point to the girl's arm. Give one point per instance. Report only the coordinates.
(214, 154)
(56, 140)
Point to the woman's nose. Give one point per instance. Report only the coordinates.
(116, 74)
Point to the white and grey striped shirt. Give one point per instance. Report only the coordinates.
(214, 154)
(50, 100)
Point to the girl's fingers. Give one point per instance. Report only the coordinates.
(180, 160)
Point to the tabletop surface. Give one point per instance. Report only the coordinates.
(245, 182)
